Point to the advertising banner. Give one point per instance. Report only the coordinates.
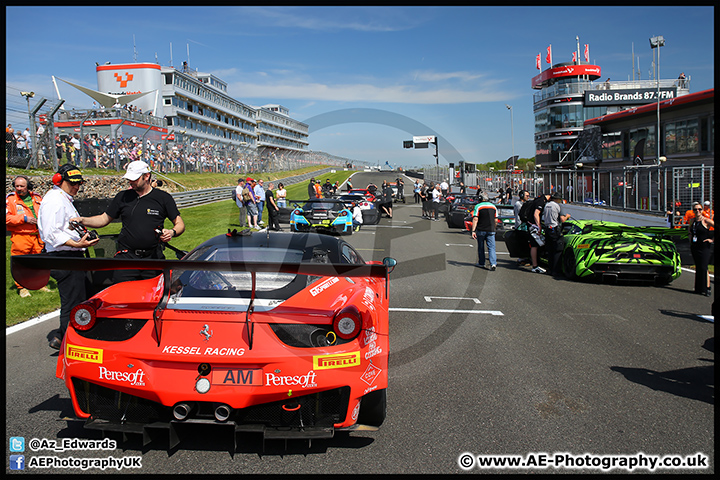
(634, 96)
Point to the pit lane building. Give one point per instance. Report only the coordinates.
(581, 120)
(687, 126)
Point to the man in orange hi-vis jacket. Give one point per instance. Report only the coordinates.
(21, 209)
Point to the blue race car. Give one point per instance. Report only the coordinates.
(323, 215)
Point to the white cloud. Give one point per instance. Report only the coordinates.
(363, 92)
(428, 76)
(424, 88)
(333, 19)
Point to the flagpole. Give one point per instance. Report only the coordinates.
(577, 39)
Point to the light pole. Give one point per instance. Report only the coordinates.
(657, 42)
(512, 132)
(28, 96)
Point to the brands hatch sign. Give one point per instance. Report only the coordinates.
(636, 96)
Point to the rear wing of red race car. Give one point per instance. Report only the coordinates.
(33, 272)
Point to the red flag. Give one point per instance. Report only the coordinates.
(574, 57)
(587, 52)
(548, 58)
(537, 62)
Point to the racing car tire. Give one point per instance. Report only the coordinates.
(569, 266)
(373, 408)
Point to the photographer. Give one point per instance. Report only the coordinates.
(142, 210)
(54, 216)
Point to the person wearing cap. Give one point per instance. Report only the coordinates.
(552, 219)
(142, 211)
(54, 216)
(239, 201)
(708, 212)
(248, 195)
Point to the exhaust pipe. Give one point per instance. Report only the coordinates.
(222, 413)
(181, 411)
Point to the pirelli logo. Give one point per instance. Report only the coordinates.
(84, 354)
(337, 360)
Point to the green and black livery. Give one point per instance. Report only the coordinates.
(609, 251)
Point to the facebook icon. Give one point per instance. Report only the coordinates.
(17, 462)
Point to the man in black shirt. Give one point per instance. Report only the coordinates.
(142, 210)
(311, 188)
(534, 220)
(327, 188)
(272, 208)
(387, 201)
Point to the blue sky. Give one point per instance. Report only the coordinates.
(447, 70)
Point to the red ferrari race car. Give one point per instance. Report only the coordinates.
(277, 333)
(505, 219)
(370, 197)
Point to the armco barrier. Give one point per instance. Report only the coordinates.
(195, 198)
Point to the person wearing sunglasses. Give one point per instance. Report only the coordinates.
(702, 240)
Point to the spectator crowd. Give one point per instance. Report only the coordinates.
(164, 157)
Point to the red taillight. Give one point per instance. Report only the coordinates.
(82, 316)
(347, 324)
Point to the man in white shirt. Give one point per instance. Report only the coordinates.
(28, 139)
(357, 217)
(259, 192)
(436, 196)
(54, 215)
(75, 139)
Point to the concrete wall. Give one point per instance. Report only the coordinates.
(586, 212)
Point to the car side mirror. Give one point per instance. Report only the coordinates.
(587, 229)
(390, 263)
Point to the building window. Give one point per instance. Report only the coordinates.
(647, 134)
(612, 145)
(566, 116)
(670, 140)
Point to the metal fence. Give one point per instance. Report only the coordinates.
(649, 189)
(110, 149)
(209, 195)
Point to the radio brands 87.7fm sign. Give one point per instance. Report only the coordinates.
(633, 96)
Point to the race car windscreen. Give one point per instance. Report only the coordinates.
(505, 212)
(186, 284)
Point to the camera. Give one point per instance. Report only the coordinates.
(81, 230)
